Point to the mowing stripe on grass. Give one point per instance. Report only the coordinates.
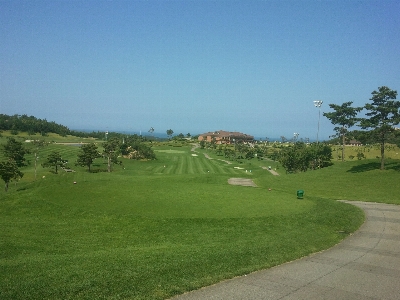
(190, 162)
(208, 166)
(159, 169)
(221, 168)
(171, 168)
(233, 171)
(215, 166)
(199, 167)
(181, 165)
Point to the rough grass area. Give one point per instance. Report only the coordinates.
(351, 180)
(154, 229)
(366, 152)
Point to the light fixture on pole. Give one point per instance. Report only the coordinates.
(295, 136)
(318, 103)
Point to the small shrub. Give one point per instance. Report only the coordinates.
(360, 155)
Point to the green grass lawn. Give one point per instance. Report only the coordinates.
(154, 229)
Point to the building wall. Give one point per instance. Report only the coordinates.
(225, 137)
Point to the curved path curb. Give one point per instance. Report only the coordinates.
(366, 265)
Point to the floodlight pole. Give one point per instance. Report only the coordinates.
(295, 136)
(318, 103)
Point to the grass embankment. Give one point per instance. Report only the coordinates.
(159, 228)
(49, 137)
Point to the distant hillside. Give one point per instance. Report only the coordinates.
(31, 124)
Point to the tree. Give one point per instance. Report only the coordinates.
(111, 151)
(219, 150)
(138, 150)
(53, 160)
(345, 116)
(87, 154)
(38, 144)
(296, 157)
(382, 115)
(322, 154)
(170, 132)
(15, 151)
(301, 157)
(8, 171)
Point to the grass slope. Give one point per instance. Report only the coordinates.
(154, 229)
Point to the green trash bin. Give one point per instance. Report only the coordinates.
(300, 194)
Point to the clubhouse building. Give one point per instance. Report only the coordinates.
(226, 137)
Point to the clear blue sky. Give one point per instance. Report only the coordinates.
(195, 66)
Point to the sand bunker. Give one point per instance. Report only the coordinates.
(241, 181)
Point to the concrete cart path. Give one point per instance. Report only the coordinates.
(366, 265)
(273, 172)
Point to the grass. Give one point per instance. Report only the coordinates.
(154, 229)
(369, 151)
(49, 137)
(350, 180)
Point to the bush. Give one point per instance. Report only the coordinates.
(360, 155)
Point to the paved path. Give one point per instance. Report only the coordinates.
(273, 172)
(366, 265)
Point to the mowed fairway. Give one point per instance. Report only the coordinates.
(154, 229)
(190, 162)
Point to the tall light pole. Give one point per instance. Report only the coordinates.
(295, 136)
(318, 103)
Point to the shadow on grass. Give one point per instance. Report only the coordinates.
(389, 165)
(22, 189)
(97, 170)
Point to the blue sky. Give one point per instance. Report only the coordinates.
(195, 66)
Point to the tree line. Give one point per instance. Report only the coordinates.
(31, 125)
(113, 149)
(381, 117)
(14, 153)
(377, 125)
(301, 156)
(294, 157)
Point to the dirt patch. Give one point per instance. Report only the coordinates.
(241, 181)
